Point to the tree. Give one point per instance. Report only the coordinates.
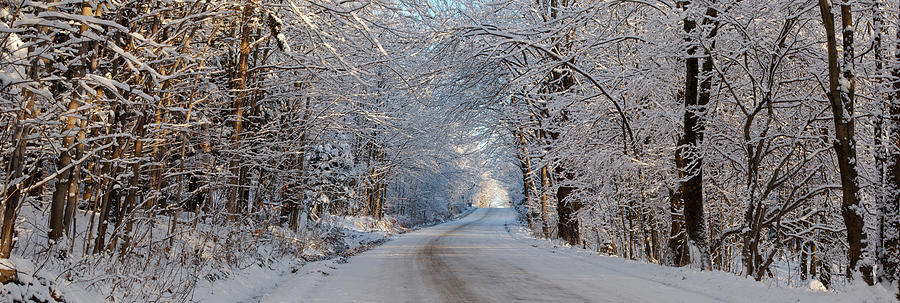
(842, 94)
(887, 143)
(696, 100)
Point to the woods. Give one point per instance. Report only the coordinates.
(149, 144)
(775, 113)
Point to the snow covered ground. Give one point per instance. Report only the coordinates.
(248, 284)
(253, 283)
(485, 257)
(153, 274)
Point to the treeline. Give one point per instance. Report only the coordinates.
(144, 132)
(757, 137)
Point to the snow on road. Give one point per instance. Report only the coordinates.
(476, 259)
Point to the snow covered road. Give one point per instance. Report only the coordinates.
(475, 259)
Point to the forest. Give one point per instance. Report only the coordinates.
(150, 146)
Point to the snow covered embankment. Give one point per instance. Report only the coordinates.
(199, 262)
(718, 286)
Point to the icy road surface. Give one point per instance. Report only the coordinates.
(475, 259)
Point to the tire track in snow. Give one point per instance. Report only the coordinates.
(440, 275)
(516, 282)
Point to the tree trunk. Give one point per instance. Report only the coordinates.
(110, 193)
(567, 209)
(61, 193)
(10, 202)
(71, 178)
(696, 99)
(74, 184)
(528, 185)
(134, 183)
(235, 201)
(61, 190)
(841, 95)
(678, 253)
(15, 170)
(889, 255)
(545, 185)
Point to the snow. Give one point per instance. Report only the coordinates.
(40, 288)
(235, 288)
(253, 283)
(816, 285)
(12, 50)
(488, 257)
(84, 277)
(409, 121)
(246, 284)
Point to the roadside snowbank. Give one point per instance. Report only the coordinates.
(201, 261)
(252, 284)
(723, 285)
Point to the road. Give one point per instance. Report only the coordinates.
(475, 259)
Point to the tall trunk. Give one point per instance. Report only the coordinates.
(133, 184)
(567, 225)
(92, 189)
(72, 178)
(804, 261)
(560, 81)
(653, 239)
(74, 184)
(889, 255)
(528, 185)
(841, 95)
(156, 154)
(110, 193)
(567, 207)
(678, 253)
(12, 194)
(372, 189)
(61, 190)
(696, 99)
(240, 81)
(382, 191)
(61, 193)
(295, 208)
(11, 199)
(883, 99)
(156, 170)
(545, 185)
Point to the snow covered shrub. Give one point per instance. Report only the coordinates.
(329, 177)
